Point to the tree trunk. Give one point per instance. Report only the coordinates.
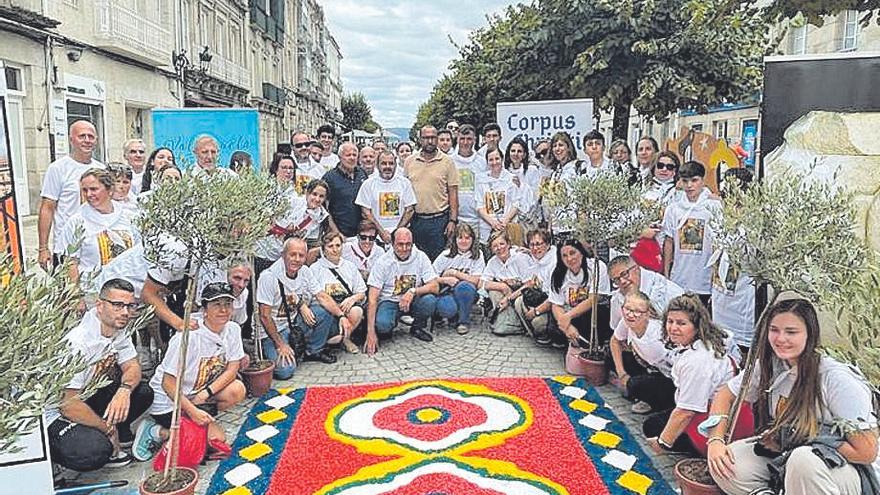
(594, 317)
(620, 128)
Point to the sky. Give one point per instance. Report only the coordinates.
(394, 51)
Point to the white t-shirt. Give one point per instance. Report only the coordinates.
(131, 266)
(386, 198)
(462, 262)
(315, 217)
(733, 301)
(544, 267)
(270, 246)
(530, 178)
(687, 224)
(697, 375)
(517, 268)
(207, 355)
(137, 181)
(575, 289)
(329, 161)
(307, 172)
(468, 170)
(61, 184)
(499, 196)
(588, 169)
(104, 236)
(649, 347)
(214, 273)
(198, 171)
(659, 289)
(302, 288)
(330, 283)
(101, 353)
(352, 251)
(394, 277)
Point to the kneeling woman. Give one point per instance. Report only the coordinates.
(799, 397)
(210, 382)
(342, 281)
(701, 365)
(503, 279)
(571, 295)
(460, 267)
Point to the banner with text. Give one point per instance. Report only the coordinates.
(534, 120)
(235, 129)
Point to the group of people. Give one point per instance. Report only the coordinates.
(378, 238)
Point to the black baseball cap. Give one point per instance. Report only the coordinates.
(215, 291)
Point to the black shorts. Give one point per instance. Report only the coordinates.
(164, 420)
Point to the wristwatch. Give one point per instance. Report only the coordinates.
(411, 290)
(125, 386)
(453, 220)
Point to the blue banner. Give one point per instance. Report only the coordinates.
(235, 129)
(749, 142)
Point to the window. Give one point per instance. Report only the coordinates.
(13, 79)
(235, 43)
(697, 127)
(850, 31)
(798, 37)
(720, 127)
(221, 47)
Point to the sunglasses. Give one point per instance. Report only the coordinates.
(302, 145)
(541, 154)
(370, 238)
(667, 166)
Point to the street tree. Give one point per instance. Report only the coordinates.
(815, 11)
(356, 113)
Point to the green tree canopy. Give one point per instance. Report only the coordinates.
(657, 56)
(356, 113)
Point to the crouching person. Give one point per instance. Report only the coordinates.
(210, 382)
(88, 434)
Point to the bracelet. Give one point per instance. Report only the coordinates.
(125, 386)
(43, 249)
(715, 439)
(453, 220)
(210, 392)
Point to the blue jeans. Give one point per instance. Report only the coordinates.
(316, 338)
(430, 234)
(421, 309)
(458, 303)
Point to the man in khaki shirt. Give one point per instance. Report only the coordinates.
(435, 183)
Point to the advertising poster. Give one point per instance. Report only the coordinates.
(534, 120)
(10, 239)
(235, 129)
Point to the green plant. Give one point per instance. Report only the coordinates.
(210, 219)
(792, 233)
(601, 208)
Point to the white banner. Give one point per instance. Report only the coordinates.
(533, 120)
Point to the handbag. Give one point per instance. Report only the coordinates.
(192, 445)
(297, 338)
(340, 297)
(533, 297)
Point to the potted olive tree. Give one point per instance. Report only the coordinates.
(207, 220)
(600, 208)
(258, 375)
(790, 233)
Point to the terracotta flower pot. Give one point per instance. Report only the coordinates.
(693, 475)
(258, 377)
(579, 362)
(183, 483)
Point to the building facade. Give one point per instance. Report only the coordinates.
(113, 61)
(736, 121)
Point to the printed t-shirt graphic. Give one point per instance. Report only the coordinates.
(209, 369)
(112, 243)
(728, 285)
(292, 303)
(465, 180)
(389, 204)
(335, 289)
(577, 295)
(404, 283)
(691, 235)
(495, 201)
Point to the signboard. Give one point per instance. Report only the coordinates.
(235, 129)
(534, 120)
(750, 141)
(10, 232)
(28, 470)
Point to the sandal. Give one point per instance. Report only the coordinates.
(338, 337)
(350, 346)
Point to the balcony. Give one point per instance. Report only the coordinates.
(274, 94)
(28, 12)
(126, 32)
(226, 70)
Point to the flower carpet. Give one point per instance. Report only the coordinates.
(504, 436)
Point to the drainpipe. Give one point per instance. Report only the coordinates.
(50, 83)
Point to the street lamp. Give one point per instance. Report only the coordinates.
(183, 65)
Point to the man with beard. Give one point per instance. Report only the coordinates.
(387, 199)
(435, 182)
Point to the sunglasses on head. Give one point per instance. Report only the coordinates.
(364, 237)
(541, 154)
(667, 166)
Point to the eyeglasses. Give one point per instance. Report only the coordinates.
(537, 244)
(302, 145)
(451, 128)
(137, 152)
(119, 305)
(667, 166)
(637, 312)
(623, 275)
(370, 238)
(540, 154)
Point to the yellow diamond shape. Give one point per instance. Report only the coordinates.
(636, 482)
(605, 439)
(565, 380)
(271, 416)
(255, 451)
(582, 406)
(239, 490)
(283, 391)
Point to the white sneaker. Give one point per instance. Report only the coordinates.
(407, 320)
